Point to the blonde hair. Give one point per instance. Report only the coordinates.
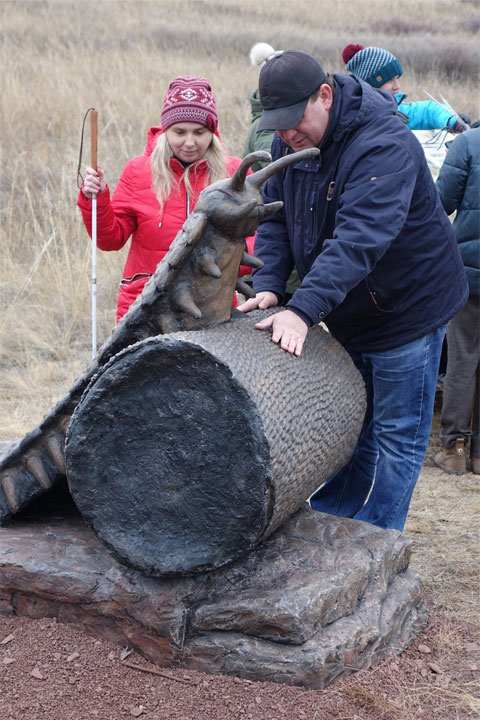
(163, 179)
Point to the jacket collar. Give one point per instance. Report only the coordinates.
(355, 104)
(179, 169)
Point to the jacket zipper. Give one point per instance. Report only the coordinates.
(312, 210)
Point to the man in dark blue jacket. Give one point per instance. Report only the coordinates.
(378, 262)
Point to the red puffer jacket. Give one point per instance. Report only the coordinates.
(134, 211)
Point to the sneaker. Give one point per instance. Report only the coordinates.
(475, 464)
(452, 459)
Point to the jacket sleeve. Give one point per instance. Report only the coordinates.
(272, 245)
(372, 211)
(453, 175)
(116, 221)
(427, 115)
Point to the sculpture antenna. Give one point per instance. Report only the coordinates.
(262, 175)
(240, 174)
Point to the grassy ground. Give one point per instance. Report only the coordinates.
(444, 523)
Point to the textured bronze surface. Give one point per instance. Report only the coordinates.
(230, 437)
(192, 287)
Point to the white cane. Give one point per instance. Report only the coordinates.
(93, 143)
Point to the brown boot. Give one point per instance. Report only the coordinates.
(475, 464)
(452, 459)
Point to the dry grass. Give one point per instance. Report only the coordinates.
(60, 57)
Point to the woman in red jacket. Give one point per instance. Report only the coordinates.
(159, 189)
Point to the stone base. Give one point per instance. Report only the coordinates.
(323, 596)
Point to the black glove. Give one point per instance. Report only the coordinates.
(459, 127)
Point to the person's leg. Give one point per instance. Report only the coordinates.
(404, 383)
(463, 336)
(475, 442)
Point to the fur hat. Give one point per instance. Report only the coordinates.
(261, 52)
(374, 65)
(189, 99)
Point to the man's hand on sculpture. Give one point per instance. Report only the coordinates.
(288, 330)
(261, 301)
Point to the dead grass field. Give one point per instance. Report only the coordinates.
(60, 58)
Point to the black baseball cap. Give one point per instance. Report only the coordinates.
(285, 84)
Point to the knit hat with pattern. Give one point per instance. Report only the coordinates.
(189, 99)
(374, 65)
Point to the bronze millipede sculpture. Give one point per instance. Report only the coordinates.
(191, 437)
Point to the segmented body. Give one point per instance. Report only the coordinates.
(191, 288)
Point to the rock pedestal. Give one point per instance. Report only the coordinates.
(321, 597)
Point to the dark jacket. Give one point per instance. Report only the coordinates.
(459, 187)
(365, 228)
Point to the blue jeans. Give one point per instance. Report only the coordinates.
(377, 483)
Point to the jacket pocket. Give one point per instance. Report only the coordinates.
(135, 278)
(361, 306)
(379, 296)
(130, 288)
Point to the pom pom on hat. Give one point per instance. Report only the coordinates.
(189, 99)
(375, 66)
(261, 52)
(349, 51)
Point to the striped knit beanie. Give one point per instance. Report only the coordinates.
(374, 65)
(189, 99)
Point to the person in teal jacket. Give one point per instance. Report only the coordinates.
(382, 70)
